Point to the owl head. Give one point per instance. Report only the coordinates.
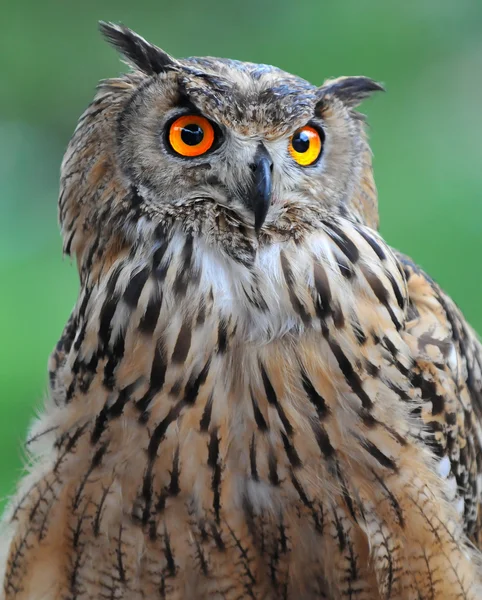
(237, 153)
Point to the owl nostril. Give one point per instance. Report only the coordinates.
(254, 167)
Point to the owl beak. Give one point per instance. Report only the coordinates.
(261, 167)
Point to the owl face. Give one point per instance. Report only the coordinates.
(209, 143)
(230, 133)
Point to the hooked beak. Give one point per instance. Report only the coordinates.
(261, 186)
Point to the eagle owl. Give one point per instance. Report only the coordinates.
(254, 396)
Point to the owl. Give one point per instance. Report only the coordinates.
(254, 396)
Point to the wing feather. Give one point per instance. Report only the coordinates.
(448, 359)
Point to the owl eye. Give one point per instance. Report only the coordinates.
(191, 135)
(306, 145)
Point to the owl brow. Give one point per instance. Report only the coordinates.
(185, 101)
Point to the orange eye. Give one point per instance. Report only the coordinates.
(191, 135)
(306, 145)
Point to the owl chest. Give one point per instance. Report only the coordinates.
(215, 470)
(222, 431)
(218, 472)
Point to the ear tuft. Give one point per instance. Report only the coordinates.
(351, 90)
(136, 50)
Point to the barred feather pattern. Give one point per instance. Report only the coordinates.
(223, 431)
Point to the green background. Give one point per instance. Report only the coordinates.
(426, 134)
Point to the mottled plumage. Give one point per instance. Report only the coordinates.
(288, 413)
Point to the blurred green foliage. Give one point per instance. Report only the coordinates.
(426, 135)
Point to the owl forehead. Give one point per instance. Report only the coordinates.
(249, 98)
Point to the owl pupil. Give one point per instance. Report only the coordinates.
(192, 134)
(301, 141)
